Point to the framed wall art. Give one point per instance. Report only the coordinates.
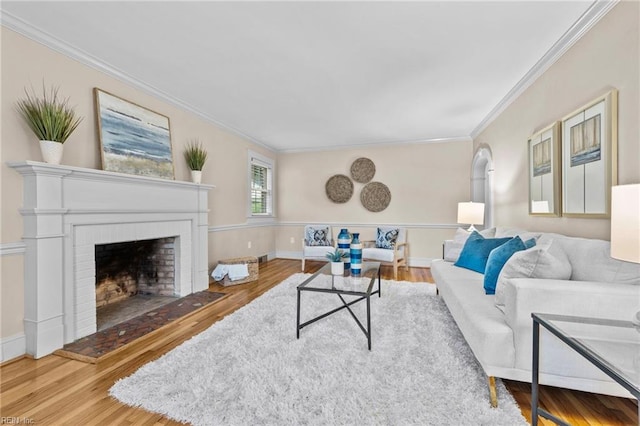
(544, 172)
(133, 139)
(590, 158)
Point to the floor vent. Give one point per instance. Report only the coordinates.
(262, 259)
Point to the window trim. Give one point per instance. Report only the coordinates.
(261, 160)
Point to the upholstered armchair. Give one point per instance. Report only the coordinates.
(390, 246)
(317, 242)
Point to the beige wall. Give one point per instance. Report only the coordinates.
(26, 63)
(426, 182)
(606, 57)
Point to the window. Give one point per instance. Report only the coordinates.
(261, 185)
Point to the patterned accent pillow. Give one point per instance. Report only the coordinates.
(386, 238)
(318, 236)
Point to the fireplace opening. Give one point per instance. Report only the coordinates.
(133, 278)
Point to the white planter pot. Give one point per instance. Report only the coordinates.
(196, 176)
(51, 151)
(337, 268)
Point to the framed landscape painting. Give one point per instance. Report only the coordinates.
(133, 139)
(590, 158)
(544, 172)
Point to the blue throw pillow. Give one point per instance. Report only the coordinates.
(531, 242)
(386, 238)
(497, 258)
(476, 251)
(318, 236)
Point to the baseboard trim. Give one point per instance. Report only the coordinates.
(13, 347)
(297, 255)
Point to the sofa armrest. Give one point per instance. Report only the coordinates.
(563, 297)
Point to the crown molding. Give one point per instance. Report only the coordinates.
(377, 144)
(589, 18)
(33, 33)
(597, 10)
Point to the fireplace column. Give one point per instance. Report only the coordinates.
(43, 269)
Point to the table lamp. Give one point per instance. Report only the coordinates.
(625, 226)
(471, 213)
(625, 222)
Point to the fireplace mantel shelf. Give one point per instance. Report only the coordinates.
(36, 167)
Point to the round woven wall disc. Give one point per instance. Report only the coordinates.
(362, 170)
(375, 196)
(339, 188)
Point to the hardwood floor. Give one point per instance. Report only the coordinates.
(55, 390)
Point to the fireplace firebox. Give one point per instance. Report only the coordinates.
(130, 268)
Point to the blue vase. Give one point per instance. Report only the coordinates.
(344, 240)
(355, 253)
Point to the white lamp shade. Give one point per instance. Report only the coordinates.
(471, 213)
(625, 222)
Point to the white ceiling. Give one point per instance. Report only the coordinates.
(315, 75)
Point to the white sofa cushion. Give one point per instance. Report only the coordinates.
(482, 324)
(546, 260)
(381, 255)
(317, 251)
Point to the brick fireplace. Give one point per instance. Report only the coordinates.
(127, 269)
(69, 211)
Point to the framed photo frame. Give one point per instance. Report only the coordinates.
(544, 172)
(133, 139)
(590, 158)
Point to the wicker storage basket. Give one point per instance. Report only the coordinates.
(252, 265)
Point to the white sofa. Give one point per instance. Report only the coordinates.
(501, 335)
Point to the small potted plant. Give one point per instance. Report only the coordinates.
(51, 119)
(196, 156)
(337, 265)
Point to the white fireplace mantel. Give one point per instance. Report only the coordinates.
(68, 210)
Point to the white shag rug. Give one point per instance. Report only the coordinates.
(249, 369)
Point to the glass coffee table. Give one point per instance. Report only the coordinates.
(618, 356)
(361, 285)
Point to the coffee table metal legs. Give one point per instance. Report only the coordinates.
(298, 317)
(368, 333)
(536, 411)
(345, 304)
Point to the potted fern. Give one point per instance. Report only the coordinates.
(51, 119)
(337, 265)
(196, 156)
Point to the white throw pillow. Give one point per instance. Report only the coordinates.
(517, 232)
(545, 261)
(455, 247)
(591, 261)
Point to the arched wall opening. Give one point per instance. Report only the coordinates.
(482, 182)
